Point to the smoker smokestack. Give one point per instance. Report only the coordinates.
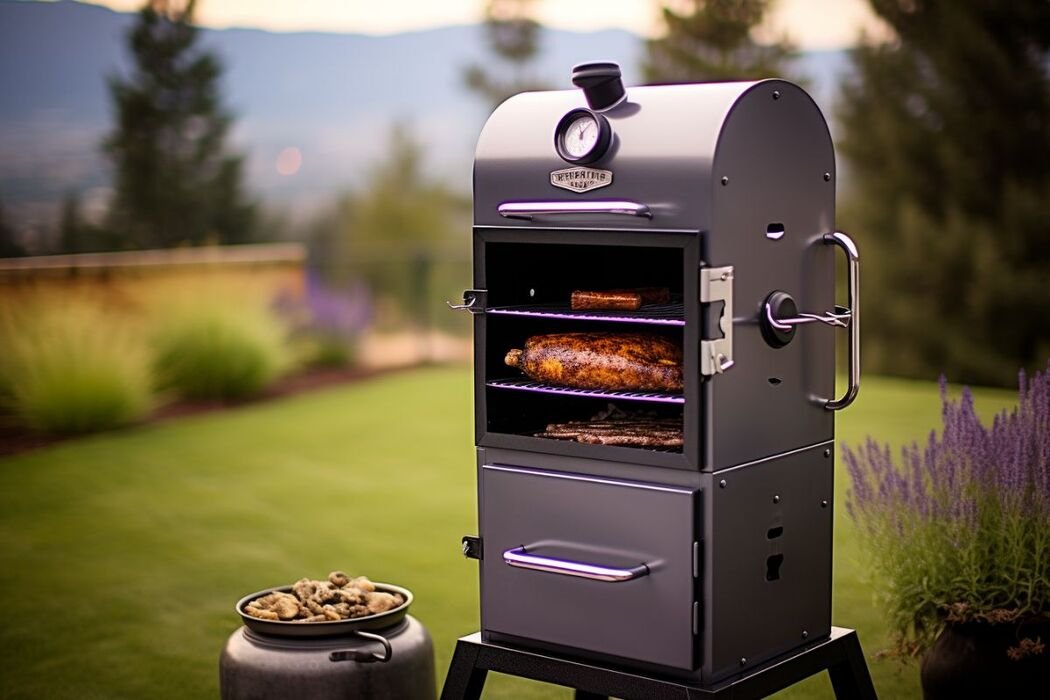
(601, 83)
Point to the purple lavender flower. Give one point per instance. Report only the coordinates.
(338, 314)
(963, 518)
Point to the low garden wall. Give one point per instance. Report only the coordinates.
(129, 279)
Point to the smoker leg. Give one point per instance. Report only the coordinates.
(465, 680)
(849, 675)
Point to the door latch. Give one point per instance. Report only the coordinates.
(716, 354)
(472, 547)
(473, 301)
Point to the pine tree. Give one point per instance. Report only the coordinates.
(76, 234)
(9, 246)
(71, 234)
(712, 41)
(175, 181)
(513, 36)
(945, 134)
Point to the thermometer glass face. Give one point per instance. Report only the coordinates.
(581, 137)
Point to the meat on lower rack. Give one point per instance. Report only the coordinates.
(623, 432)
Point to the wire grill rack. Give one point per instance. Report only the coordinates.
(529, 385)
(672, 314)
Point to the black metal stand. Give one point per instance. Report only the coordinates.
(840, 655)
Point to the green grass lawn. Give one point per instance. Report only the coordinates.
(122, 555)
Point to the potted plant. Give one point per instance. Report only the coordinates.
(958, 534)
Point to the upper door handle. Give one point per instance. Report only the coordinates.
(531, 210)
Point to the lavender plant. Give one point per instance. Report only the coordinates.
(958, 530)
(329, 321)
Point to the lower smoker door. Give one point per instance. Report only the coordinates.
(594, 564)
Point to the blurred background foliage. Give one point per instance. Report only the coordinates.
(945, 136)
(513, 38)
(175, 180)
(403, 236)
(713, 40)
(941, 131)
(103, 350)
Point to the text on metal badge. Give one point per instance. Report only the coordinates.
(581, 179)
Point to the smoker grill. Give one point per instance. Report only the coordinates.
(700, 561)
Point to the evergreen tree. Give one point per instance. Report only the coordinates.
(9, 246)
(712, 41)
(513, 36)
(78, 235)
(945, 132)
(71, 238)
(175, 181)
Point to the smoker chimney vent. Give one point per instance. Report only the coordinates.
(601, 83)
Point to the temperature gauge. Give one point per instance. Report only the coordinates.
(582, 136)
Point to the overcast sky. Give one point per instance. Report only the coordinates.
(811, 24)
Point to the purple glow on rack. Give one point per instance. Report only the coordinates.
(589, 317)
(672, 314)
(527, 385)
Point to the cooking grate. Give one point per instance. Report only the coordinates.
(529, 385)
(672, 314)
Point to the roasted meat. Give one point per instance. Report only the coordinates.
(619, 299)
(612, 361)
(643, 432)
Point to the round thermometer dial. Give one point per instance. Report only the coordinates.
(582, 136)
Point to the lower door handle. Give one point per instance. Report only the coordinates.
(520, 558)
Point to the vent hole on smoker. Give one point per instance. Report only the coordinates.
(775, 231)
(773, 564)
(774, 532)
(774, 381)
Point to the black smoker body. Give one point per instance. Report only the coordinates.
(700, 561)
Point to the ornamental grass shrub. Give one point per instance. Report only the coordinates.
(72, 368)
(210, 351)
(958, 529)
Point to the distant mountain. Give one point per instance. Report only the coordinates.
(333, 96)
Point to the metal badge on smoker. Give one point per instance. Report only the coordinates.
(581, 179)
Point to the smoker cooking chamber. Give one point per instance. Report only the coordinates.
(698, 561)
(529, 280)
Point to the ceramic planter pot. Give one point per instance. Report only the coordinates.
(970, 660)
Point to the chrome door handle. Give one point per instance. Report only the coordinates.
(847, 317)
(530, 210)
(853, 321)
(521, 559)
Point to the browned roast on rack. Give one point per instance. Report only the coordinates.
(612, 361)
(619, 299)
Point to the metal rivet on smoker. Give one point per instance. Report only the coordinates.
(827, 177)
(743, 660)
(776, 499)
(776, 94)
(722, 484)
(724, 276)
(824, 504)
(827, 453)
(805, 634)
(725, 181)
(532, 292)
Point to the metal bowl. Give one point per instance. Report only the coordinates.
(329, 628)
